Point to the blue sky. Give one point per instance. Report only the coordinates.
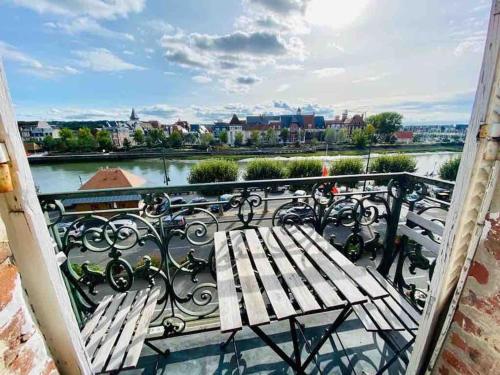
(202, 60)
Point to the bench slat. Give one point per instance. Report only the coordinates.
(400, 313)
(365, 319)
(278, 298)
(96, 316)
(120, 349)
(419, 238)
(425, 223)
(323, 289)
(377, 317)
(108, 342)
(135, 348)
(389, 315)
(99, 333)
(229, 309)
(302, 295)
(254, 303)
(405, 305)
(356, 273)
(335, 274)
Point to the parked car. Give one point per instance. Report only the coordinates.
(225, 198)
(176, 201)
(299, 193)
(173, 222)
(129, 225)
(297, 215)
(198, 200)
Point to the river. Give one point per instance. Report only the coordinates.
(69, 176)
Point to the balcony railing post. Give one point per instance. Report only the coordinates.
(392, 229)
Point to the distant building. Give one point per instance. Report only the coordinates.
(404, 136)
(107, 178)
(346, 122)
(36, 130)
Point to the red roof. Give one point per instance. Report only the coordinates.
(404, 135)
(107, 178)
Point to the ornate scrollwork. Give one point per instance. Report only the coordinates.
(54, 211)
(246, 201)
(156, 205)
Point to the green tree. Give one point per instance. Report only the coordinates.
(330, 136)
(206, 139)
(347, 166)
(223, 137)
(449, 169)
(254, 137)
(103, 138)
(359, 138)
(386, 123)
(284, 135)
(265, 169)
(65, 134)
(49, 143)
(157, 136)
(175, 139)
(393, 163)
(238, 139)
(270, 137)
(126, 144)
(213, 170)
(138, 136)
(86, 141)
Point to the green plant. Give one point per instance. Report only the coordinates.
(386, 123)
(126, 144)
(138, 136)
(213, 170)
(77, 268)
(265, 169)
(304, 168)
(238, 139)
(103, 138)
(175, 139)
(86, 141)
(347, 166)
(223, 136)
(360, 138)
(449, 169)
(393, 163)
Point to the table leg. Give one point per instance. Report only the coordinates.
(296, 350)
(340, 319)
(224, 344)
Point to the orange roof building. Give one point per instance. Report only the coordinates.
(109, 178)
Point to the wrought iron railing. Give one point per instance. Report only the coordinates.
(154, 241)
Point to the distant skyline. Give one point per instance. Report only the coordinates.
(205, 60)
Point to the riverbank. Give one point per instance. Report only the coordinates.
(238, 154)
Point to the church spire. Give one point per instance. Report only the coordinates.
(133, 116)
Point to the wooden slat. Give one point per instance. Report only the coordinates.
(121, 346)
(323, 289)
(302, 295)
(389, 315)
(98, 335)
(425, 223)
(365, 319)
(419, 238)
(401, 314)
(282, 306)
(410, 310)
(254, 302)
(343, 284)
(103, 353)
(357, 274)
(96, 316)
(229, 309)
(135, 348)
(377, 317)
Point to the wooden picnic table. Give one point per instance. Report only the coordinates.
(271, 274)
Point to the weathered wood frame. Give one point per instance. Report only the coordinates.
(33, 251)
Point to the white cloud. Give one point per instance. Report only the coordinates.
(329, 72)
(103, 60)
(337, 47)
(94, 8)
(33, 66)
(473, 44)
(373, 78)
(87, 25)
(201, 79)
(283, 87)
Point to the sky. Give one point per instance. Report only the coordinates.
(203, 60)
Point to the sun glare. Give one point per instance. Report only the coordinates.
(336, 14)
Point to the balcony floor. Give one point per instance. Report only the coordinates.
(201, 354)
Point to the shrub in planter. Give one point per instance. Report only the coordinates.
(347, 166)
(449, 169)
(213, 170)
(392, 164)
(304, 168)
(265, 169)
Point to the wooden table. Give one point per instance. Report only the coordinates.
(271, 274)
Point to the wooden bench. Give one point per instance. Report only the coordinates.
(114, 335)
